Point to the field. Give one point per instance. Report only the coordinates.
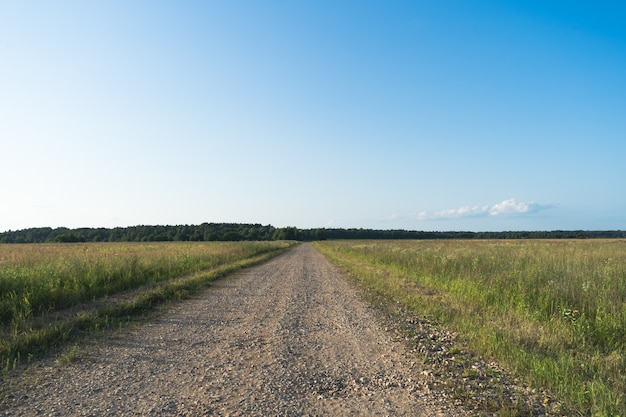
(49, 292)
(551, 310)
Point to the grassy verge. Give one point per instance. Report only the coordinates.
(552, 311)
(96, 286)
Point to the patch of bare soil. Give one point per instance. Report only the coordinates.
(287, 338)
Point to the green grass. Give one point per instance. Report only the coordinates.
(553, 311)
(50, 293)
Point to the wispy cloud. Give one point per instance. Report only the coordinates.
(509, 207)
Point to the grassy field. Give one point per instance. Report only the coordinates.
(551, 310)
(42, 286)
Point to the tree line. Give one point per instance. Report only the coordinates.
(237, 232)
(318, 234)
(203, 232)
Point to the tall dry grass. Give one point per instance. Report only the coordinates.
(40, 281)
(39, 278)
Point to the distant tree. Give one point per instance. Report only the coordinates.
(182, 234)
(319, 234)
(287, 233)
(69, 237)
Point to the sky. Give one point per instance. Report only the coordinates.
(418, 115)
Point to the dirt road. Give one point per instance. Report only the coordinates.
(286, 338)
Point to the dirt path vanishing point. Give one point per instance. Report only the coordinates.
(286, 338)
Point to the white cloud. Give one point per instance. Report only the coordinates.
(508, 207)
(466, 211)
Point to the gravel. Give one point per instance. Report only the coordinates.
(481, 386)
(290, 337)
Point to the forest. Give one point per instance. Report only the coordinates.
(256, 232)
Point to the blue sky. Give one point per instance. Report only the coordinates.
(421, 115)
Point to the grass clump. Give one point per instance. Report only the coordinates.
(551, 310)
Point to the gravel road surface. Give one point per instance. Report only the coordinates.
(287, 338)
